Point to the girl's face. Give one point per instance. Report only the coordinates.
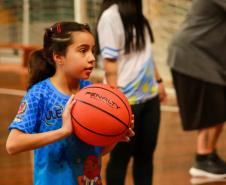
(79, 59)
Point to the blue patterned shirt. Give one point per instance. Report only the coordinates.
(68, 161)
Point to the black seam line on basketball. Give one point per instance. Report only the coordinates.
(104, 112)
(105, 135)
(88, 87)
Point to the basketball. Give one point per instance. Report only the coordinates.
(101, 114)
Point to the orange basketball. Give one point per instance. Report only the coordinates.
(101, 114)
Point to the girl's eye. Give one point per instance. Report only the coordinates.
(83, 51)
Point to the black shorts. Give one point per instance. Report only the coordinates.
(202, 104)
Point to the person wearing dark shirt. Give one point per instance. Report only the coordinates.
(197, 58)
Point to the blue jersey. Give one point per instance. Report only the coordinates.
(68, 161)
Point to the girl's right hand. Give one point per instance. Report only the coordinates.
(130, 133)
(66, 117)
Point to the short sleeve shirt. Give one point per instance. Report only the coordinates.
(135, 75)
(68, 161)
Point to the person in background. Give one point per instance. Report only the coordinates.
(197, 59)
(124, 37)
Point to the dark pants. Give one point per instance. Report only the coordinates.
(141, 147)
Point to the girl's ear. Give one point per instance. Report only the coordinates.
(58, 58)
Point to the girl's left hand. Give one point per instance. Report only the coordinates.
(130, 133)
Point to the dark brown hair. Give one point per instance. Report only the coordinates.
(56, 40)
(132, 19)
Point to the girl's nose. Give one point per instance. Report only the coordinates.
(92, 58)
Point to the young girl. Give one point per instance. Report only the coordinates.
(43, 122)
(125, 36)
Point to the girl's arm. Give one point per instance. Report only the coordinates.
(161, 87)
(19, 141)
(110, 67)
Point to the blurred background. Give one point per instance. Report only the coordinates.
(22, 23)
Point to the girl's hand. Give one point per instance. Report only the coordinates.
(124, 138)
(162, 92)
(130, 133)
(66, 117)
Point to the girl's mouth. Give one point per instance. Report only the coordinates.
(89, 69)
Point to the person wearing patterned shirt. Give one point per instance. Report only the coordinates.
(43, 121)
(124, 36)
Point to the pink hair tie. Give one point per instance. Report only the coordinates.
(58, 28)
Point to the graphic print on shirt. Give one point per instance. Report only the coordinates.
(92, 166)
(21, 111)
(54, 114)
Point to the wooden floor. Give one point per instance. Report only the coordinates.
(173, 157)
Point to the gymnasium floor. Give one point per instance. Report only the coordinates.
(173, 157)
